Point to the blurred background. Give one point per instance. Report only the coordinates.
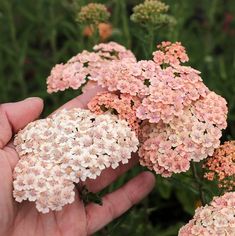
(35, 35)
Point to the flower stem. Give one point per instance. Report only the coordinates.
(151, 40)
(125, 23)
(199, 183)
(95, 34)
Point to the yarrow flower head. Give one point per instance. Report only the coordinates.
(221, 166)
(127, 76)
(170, 53)
(170, 91)
(67, 148)
(124, 106)
(169, 148)
(113, 51)
(152, 13)
(93, 14)
(217, 218)
(79, 68)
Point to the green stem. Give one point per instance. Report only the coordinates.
(125, 23)
(149, 42)
(95, 36)
(199, 183)
(19, 60)
(53, 33)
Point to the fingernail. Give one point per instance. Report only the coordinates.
(32, 98)
(90, 85)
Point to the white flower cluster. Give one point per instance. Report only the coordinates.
(71, 146)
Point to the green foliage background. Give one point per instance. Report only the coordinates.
(35, 35)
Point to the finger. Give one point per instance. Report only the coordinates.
(69, 217)
(118, 202)
(90, 90)
(15, 116)
(90, 85)
(109, 175)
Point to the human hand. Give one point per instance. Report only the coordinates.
(76, 218)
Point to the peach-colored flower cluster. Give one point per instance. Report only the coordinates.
(217, 218)
(221, 166)
(67, 148)
(79, 68)
(170, 91)
(169, 148)
(170, 53)
(113, 51)
(125, 76)
(181, 119)
(124, 106)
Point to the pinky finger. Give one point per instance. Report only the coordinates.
(118, 202)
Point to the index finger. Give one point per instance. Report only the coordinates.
(89, 91)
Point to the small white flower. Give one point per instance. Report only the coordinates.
(71, 146)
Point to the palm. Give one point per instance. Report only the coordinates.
(75, 219)
(25, 217)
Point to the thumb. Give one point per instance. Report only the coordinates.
(15, 116)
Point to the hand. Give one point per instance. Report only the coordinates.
(75, 219)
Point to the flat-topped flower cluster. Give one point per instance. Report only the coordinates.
(177, 118)
(85, 66)
(67, 148)
(217, 218)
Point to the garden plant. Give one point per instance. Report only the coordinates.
(157, 80)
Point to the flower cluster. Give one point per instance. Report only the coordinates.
(79, 68)
(93, 14)
(113, 51)
(181, 119)
(170, 91)
(170, 53)
(217, 218)
(67, 148)
(152, 13)
(169, 148)
(125, 76)
(221, 166)
(124, 106)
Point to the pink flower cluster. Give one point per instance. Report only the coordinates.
(124, 106)
(113, 51)
(79, 68)
(170, 91)
(221, 166)
(125, 76)
(181, 118)
(169, 148)
(67, 148)
(170, 53)
(217, 218)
